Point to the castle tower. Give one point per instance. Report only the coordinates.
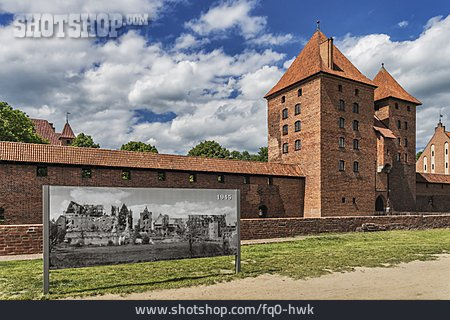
(320, 116)
(396, 110)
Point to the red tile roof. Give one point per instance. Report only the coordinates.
(379, 126)
(67, 132)
(389, 87)
(46, 130)
(51, 154)
(432, 178)
(309, 62)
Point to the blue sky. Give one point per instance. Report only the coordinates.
(200, 69)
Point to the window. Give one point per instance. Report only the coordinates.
(299, 92)
(354, 200)
(432, 158)
(406, 125)
(399, 156)
(270, 181)
(284, 113)
(283, 99)
(246, 179)
(355, 125)
(86, 173)
(298, 144)
(341, 122)
(285, 148)
(343, 200)
(220, 178)
(340, 87)
(356, 166)
(341, 105)
(406, 157)
(161, 176)
(126, 174)
(408, 108)
(341, 142)
(2, 214)
(41, 171)
(399, 124)
(298, 109)
(355, 108)
(396, 105)
(298, 126)
(446, 157)
(341, 165)
(406, 142)
(425, 163)
(355, 144)
(192, 177)
(285, 129)
(356, 92)
(399, 141)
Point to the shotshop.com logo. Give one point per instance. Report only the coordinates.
(74, 25)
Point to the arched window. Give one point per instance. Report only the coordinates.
(341, 105)
(446, 157)
(341, 142)
(341, 123)
(284, 113)
(355, 108)
(356, 144)
(298, 109)
(433, 164)
(285, 148)
(425, 164)
(355, 125)
(356, 166)
(285, 129)
(298, 144)
(298, 126)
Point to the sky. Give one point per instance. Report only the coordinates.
(200, 69)
(177, 203)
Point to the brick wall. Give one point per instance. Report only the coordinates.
(27, 239)
(21, 189)
(20, 239)
(438, 139)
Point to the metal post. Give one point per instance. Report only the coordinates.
(238, 226)
(46, 244)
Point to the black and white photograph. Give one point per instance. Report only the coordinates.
(91, 226)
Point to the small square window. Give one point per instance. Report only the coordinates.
(192, 177)
(41, 171)
(161, 176)
(340, 87)
(298, 109)
(86, 173)
(299, 92)
(283, 99)
(246, 179)
(220, 178)
(126, 175)
(270, 181)
(341, 165)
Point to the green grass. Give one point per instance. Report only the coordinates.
(311, 257)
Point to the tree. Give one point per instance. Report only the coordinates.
(209, 149)
(16, 126)
(263, 154)
(84, 141)
(418, 155)
(139, 146)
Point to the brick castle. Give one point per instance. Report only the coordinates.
(339, 143)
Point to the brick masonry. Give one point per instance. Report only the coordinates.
(27, 239)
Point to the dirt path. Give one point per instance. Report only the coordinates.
(414, 280)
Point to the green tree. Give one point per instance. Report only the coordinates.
(139, 146)
(84, 141)
(418, 155)
(209, 149)
(263, 154)
(16, 126)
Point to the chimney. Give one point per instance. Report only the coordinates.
(326, 52)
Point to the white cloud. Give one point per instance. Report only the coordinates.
(230, 14)
(188, 41)
(270, 39)
(403, 24)
(421, 66)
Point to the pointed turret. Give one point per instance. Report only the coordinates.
(67, 132)
(389, 87)
(319, 55)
